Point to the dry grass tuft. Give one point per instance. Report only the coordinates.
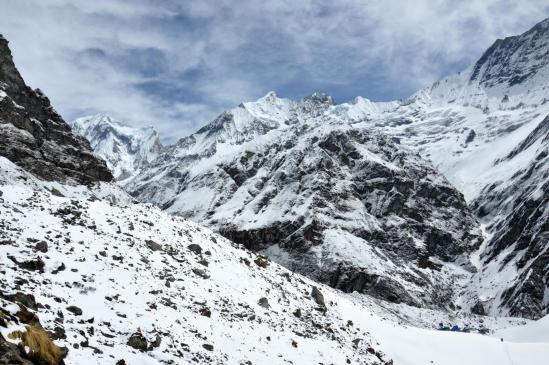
(39, 344)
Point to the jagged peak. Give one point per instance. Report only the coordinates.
(320, 98)
(104, 119)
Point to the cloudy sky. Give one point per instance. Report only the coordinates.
(176, 64)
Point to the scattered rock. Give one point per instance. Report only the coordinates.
(74, 310)
(261, 262)
(208, 347)
(32, 265)
(153, 245)
(205, 312)
(264, 302)
(157, 341)
(193, 247)
(60, 268)
(138, 341)
(27, 300)
(41, 246)
(318, 297)
(201, 273)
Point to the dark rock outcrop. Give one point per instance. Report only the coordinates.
(35, 137)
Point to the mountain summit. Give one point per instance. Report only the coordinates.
(125, 149)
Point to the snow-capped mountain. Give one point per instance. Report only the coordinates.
(125, 149)
(247, 173)
(352, 209)
(90, 277)
(486, 130)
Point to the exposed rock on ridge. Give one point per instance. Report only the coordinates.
(35, 137)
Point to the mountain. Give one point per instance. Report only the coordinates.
(486, 130)
(125, 149)
(35, 137)
(91, 277)
(317, 187)
(106, 281)
(351, 209)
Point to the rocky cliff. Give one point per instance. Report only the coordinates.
(35, 137)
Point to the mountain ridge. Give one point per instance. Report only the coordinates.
(464, 124)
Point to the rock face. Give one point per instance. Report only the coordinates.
(344, 206)
(35, 137)
(125, 149)
(518, 212)
(487, 130)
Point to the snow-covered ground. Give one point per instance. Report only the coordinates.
(130, 268)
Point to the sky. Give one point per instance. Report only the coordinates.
(177, 64)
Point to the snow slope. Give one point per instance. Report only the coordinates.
(130, 268)
(101, 259)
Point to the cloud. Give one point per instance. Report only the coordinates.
(177, 64)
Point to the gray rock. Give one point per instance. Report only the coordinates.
(41, 246)
(318, 297)
(138, 342)
(74, 310)
(264, 302)
(35, 137)
(153, 246)
(195, 248)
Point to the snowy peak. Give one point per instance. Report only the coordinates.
(514, 60)
(513, 73)
(126, 149)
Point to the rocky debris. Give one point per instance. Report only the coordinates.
(138, 341)
(208, 347)
(201, 273)
(206, 312)
(470, 136)
(60, 268)
(478, 308)
(261, 262)
(153, 246)
(264, 302)
(318, 297)
(36, 264)
(35, 137)
(195, 248)
(156, 343)
(74, 310)
(27, 300)
(41, 246)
